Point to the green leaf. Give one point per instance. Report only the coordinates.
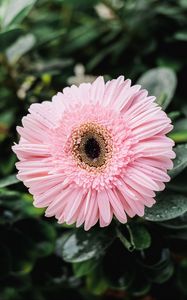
(183, 3)
(174, 114)
(177, 223)
(8, 181)
(160, 271)
(47, 35)
(181, 36)
(9, 195)
(85, 267)
(26, 206)
(9, 293)
(140, 237)
(96, 283)
(7, 117)
(179, 234)
(7, 166)
(140, 286)
(136, 238)
(17, 205)
(182, 275)
(167, 207)
(180, 162)
(13, 12)
(8, 37)
(20, 47)
(180, 125)
(178, 184)
(160, 82)
(83, 35)
(79, 245)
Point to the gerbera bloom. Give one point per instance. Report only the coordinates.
(95, 151)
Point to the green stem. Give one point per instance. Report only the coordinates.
(124, 241)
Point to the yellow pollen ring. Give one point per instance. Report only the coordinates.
(81, 136)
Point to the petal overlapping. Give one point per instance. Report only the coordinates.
(137, 168)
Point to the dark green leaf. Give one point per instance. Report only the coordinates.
(46, 35)
(79, 245)
(8, 166)
(140, 286)
(167, 207)
(160, 271)
(180, 125)
(177, 223)
(137, 237)
(8, 181)
(96, 283)
(179, 234)
(25, 205)
(16, 205)
(178, 183)
(82, 36)
(160, 82)
(180, 162)
(140, 237)
(8, 37)
(174, 114)
(5, 195)
(83, 268)
(182, 275)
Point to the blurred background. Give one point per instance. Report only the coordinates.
(44, 46)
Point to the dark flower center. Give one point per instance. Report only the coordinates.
(92, 148)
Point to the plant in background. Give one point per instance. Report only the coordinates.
(41, 44)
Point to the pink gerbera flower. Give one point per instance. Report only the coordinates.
(95, 151)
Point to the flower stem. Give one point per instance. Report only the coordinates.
(124, 241)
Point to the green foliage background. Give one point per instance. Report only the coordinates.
(42, 44)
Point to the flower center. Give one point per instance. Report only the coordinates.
(91, 146)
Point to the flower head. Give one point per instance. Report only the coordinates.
(95, 151)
